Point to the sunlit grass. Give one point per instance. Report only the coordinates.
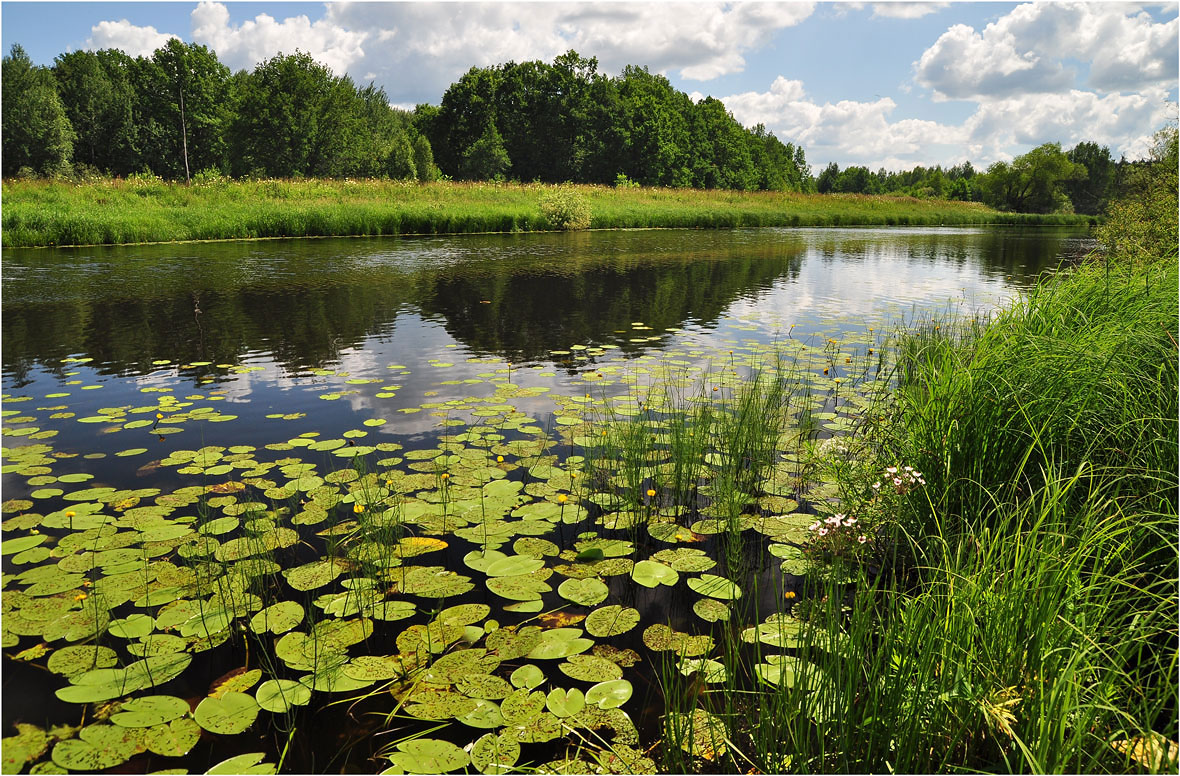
(150, 210)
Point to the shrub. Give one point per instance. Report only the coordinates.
(565, 209)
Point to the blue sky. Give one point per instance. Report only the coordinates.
(882, 84)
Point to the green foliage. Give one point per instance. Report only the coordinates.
(1088, 194)
(565, 209)
(486, 159)
(1141, 225)
(1033, 182)
(36, 131)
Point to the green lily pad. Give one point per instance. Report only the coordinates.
(21, 543)
(174, 739)
(590, 668)
(150, 710)
(527, 677)
(134, 626)
(429, 755)
(78, 755)
(585, 592)
(243, 764)
(610, 694)
(715, 587)
(711, 610)
(558, 643)
(495, 754)
(77, 659)
(484, 686)
(710, 671)
(280, 695)
(464, 614)
(686, 560)
(519, 588)
(232, 713)
(313, 575)
(485, 715)
(565, 703)
(649, 573)
(103, 684)
(277, 618)
(611, 621)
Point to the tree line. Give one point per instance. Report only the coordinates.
(1044, 180)
(181, 111)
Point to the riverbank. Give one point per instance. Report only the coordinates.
(114, 212)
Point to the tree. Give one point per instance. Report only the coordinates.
(826, 182)
(184, 115)
(486, 159)
(657, 144)
(1032, 183)
(1088, 194)
(36, 132)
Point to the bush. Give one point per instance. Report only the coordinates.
(565, 209)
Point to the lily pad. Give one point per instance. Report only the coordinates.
(610, 694)
(243, 764)
(565, 703)
(649, 573)
(715, 587)
(527, 677)
(495, 753)
(611, 621)
(560, 642)
(230, 714)
(590, 668)
(585, 592)
(429, 755)
(174, 739)
(280, 695)
(150, 710)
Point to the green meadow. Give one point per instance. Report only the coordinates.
(147, 209)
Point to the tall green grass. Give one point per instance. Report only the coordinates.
(145, 209)
(1021, 614)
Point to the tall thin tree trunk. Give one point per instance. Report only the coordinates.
(184, 137)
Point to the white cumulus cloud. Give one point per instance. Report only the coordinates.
(1037, 48)
(418, 49)
(253, 41)
(125, 36)
(903, 10)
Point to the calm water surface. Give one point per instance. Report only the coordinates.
(393, 338)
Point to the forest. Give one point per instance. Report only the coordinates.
(181, 113)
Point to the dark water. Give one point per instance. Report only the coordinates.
(333, 333)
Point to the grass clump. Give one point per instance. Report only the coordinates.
(565, 209)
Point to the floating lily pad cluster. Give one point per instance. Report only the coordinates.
(435, 573)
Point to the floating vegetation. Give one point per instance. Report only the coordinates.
(608, 561)
(495, 560)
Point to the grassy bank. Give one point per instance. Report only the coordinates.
(148, 210)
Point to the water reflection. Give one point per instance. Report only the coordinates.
(517, 297)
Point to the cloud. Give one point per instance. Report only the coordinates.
(251, 42)
(847, 131)
(1126, 123)
(906, 10)
(125, 36)
(864, 133)
(418, 49)
(1033, 48)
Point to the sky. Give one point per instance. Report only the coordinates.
(891, 85)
